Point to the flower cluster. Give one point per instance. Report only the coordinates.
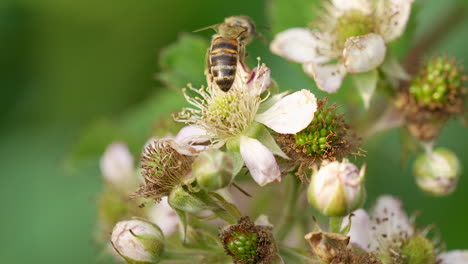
(242, 124)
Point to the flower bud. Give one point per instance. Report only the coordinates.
(337, 188)
(138, 241)
(437, 172)
(213, 169)
(182, 199)
(117, 166)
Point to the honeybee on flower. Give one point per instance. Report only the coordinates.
(237, 119)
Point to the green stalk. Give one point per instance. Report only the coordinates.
(335, 224)
(289, 213)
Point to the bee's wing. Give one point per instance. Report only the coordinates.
(215, 26)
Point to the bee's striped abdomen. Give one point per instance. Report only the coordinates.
(223, 61)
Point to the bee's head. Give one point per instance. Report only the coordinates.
(238, 27)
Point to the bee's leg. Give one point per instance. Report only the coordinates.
(242, 55)
(209, 76)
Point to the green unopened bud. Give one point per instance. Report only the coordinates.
(138, 241)
(248, 243)
(182, 199)
(418, 250)
(437, 173)
(213, 169)
(337, 188)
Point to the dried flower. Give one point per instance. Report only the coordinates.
(164, 168)
(333, 248)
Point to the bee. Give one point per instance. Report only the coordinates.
(227, 49)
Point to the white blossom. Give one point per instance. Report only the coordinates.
(350, 37)
(386, 229)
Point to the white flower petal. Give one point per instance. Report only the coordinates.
(365, 6)
(259, 79)
(366, 84)
(364, 53)
(327, 76)
(260, 161)
(360, 232)
(392, 17)
(117, 164)
(164, 216)
(291, 114)
(299, 45)
(194, 136)
(391, 208)
(453, 257)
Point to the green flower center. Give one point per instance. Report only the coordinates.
(222, 107)
(320, 134)
(434, 82)
(418, 250)
(244, 246)
(353, 23)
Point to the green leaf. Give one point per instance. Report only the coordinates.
(233, 149)
(267, 139)
(284, 14)
(184, 61)
(366, 84)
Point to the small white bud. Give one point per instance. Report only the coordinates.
(117, 166)
(337, 188)
(437, 172)
(138, 241)
(213, 169)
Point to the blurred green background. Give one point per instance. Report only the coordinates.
(71, 67)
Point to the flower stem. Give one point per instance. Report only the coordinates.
(335, 224)
(288, 216)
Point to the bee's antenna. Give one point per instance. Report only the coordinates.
(214, 27)
(264, 27)
(261, 37)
